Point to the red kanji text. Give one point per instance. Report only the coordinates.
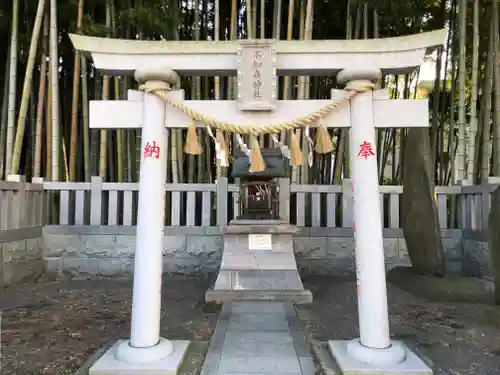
(365, 150)
(152, 150)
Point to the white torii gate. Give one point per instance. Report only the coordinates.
(366, 59)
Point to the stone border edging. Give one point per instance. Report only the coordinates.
(12, 235)
(218, 231)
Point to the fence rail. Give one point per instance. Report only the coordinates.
(115, 204)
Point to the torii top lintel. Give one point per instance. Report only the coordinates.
(312, 57)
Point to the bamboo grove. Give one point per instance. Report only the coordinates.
(45, 86)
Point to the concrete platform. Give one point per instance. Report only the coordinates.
(109, 365)
(413, 365)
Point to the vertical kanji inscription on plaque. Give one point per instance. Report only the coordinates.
(256, 75)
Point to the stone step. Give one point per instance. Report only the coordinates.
(258, 280)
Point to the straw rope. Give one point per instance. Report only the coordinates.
(323, 144)
(301, 122)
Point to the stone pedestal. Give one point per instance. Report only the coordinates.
(258, 263)
(168, 364)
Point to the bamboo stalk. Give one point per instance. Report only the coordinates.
(54, 62)
(11, 114)
(41, 102)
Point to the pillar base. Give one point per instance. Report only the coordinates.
(354, 359)
(130, 354)
(121, 359)
(394, 354)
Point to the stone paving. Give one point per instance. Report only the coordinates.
(258, 337)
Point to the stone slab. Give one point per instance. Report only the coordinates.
(259, 260)
(264, 325)
(261, 307)
(277, 338)
(413, 365)
(109, 365)
(295, 296)
(259, 227)
(242, 348)
(258, 280)
(259, 321)
(238, 365)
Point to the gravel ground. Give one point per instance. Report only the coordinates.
(54, 327)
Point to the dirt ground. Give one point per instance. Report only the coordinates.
(54, 327)
(460, 338)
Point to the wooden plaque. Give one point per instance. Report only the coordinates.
(256, 75)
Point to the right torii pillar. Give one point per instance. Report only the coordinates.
(373, 351)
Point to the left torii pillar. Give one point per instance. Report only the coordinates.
(146, 351)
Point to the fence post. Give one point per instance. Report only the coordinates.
(39, 202)
(284, 198)
(465, 211)
(96, 200)
(222, 192)
(492, 181)
(18, 219)
(347, 208)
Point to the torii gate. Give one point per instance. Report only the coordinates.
(257, 104)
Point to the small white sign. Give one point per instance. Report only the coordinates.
(260, 242)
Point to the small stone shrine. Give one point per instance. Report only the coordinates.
(258, 262)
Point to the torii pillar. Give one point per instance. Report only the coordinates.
(373, 352)
(146, 352)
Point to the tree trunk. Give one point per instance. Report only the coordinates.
(419, 217)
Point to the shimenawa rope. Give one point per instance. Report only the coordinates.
(323, 142)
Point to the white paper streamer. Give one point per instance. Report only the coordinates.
(219, 153)
(310, 146)
(242, 145)
(285, 151)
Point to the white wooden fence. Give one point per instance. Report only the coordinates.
(476, 203)
(217, 204)
(114, 204)
(21, 204)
